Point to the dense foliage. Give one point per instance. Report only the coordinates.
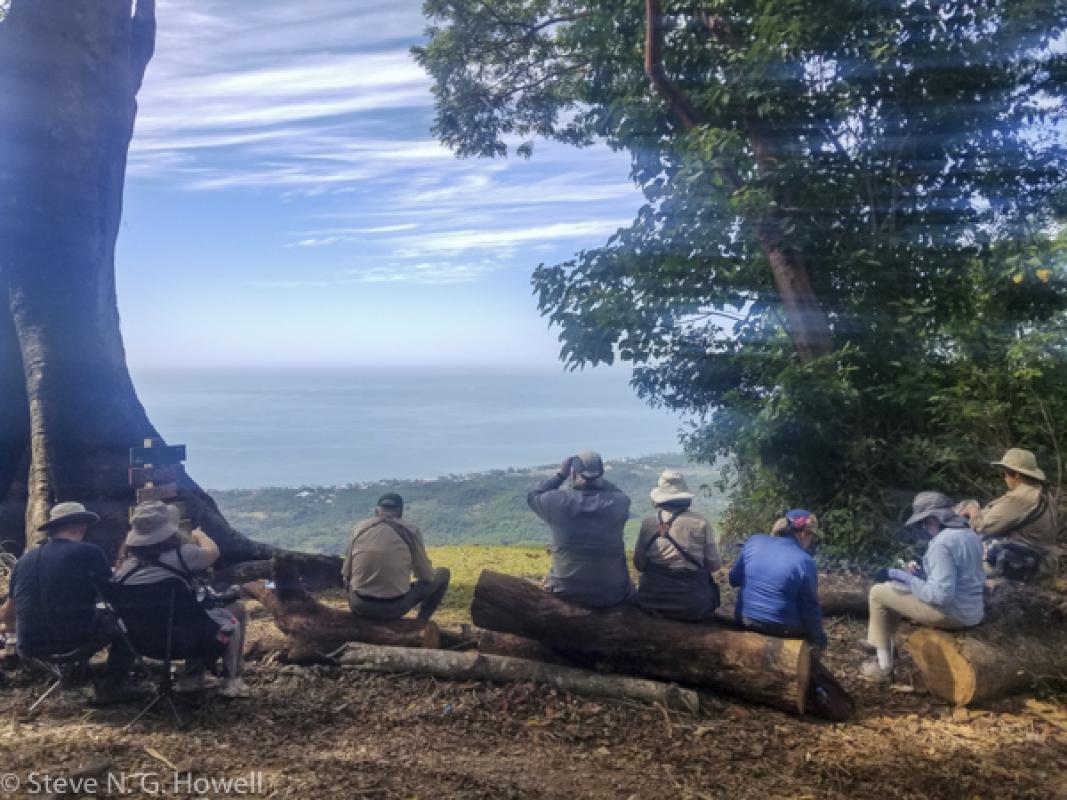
(913, 158)
(485, 508)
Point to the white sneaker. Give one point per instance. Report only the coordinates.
(876, 673)
(201, 682)
(234, 688)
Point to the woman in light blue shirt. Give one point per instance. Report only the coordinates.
(948, 597)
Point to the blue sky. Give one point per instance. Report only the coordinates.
(286, 202)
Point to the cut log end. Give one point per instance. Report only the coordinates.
(948, 674)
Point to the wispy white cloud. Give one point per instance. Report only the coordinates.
(319, 104)
(427, 273)
(455, 242)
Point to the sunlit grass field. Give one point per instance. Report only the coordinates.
(466, 563)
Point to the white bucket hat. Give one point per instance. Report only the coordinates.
(153, 523)
(1022, 461)
(671, 486)
(68, 514)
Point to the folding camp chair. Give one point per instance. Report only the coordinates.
(59, 665)
(164, 621)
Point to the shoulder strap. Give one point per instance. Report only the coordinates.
(665, 533)
(402, 532)
(1035, 514)
(186, 576)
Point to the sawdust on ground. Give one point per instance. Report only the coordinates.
(325, 732)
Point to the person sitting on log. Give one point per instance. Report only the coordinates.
(586, 518)
(677, 555)
(156, 552)
(1019, 529)
(948, 597)
(383, 554)
(778, 583)
(54, 592)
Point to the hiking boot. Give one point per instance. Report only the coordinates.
(876, 673)
(200, 682)
(108, 693)
(235, 688)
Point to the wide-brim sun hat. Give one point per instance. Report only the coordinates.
(671, 486)
(1022, 461)
(153, 523)
(936, 505)
(68, 514)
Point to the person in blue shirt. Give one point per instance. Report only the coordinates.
(948, 597)
(777, 582)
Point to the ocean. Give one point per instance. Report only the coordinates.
(254, 428)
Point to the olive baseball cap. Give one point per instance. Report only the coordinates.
(588, 464)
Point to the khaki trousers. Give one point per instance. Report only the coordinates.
(889, 605)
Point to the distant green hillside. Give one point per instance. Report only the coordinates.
(486, 508)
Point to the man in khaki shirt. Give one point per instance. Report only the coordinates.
(383, 554)
(1023, 519)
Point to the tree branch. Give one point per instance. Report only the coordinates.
(679, 103)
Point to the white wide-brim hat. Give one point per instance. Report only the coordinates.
(153, 523)
(671, 486)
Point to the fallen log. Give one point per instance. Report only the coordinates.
(775, 672)
(314, 630)
(505, 644)
(1022, 639)
(845, 602)
(318, 572)
(505, 669)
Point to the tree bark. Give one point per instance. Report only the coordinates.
(504, 669)
(845, 602)
(775, 672)
(1022, 639)
(315, 630)
(505, 644)
(806, 321)
(69, 74)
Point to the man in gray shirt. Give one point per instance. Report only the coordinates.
(586, 517)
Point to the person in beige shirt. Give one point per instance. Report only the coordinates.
(383, 554)
(1020, 527)
(677, 555)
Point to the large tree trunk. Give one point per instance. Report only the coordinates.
(1022, 639)
(775, 672)
(70, 71)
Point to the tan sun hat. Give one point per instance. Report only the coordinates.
(671, 486)
(68, 514)
(1022, 461)
(153, 522)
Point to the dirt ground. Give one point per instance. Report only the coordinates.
(325, 732)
